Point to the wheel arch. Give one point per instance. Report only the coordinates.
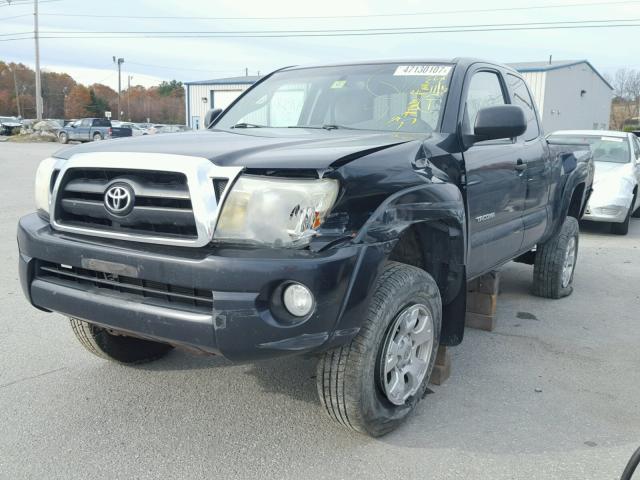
(427, 229)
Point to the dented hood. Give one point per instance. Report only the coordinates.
(258, 148)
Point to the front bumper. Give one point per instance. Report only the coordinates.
(612, 210)
(242, 323)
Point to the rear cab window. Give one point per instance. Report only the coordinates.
(521, 97)
(101, 122)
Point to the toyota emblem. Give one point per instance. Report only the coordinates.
(118, 199)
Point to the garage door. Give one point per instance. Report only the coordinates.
(223, 98)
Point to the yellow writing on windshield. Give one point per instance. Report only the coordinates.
(421, 99)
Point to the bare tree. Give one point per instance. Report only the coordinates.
(626, 90)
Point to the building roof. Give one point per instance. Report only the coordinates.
(245, 80)
(526, 67)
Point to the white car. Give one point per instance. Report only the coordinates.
(615, 186)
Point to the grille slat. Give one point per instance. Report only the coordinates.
(162, 204)
(175, 295)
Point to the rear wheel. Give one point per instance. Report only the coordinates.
(375, 382)
(97, 137)
(118, 348)
(555, 262)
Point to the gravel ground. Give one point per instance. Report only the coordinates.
(66, 414)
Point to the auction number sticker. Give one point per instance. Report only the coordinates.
(423, 70)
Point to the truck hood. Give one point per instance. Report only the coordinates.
(263, 148)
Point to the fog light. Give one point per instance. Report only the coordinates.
(298, 300)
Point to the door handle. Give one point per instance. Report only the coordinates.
(520, 165)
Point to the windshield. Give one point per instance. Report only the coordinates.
(604, 149)
(384, 97)
(8, 119)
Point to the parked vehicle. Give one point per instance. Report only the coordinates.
(172, 129)
(615, 187)
(336, 210)
(135, 129)
(9, 125)
(91, 129)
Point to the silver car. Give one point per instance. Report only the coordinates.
(615, 186)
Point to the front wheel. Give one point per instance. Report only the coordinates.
(623, 228)
(63, 138)
(372, 384)
(118, 348)
(555, 262)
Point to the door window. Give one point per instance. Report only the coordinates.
(85, 123)
(520, 96)
(485, 90)
(636, 148)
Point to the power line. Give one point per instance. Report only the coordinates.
(81, 34)
(378, 15)
(17, 16)
(349, 33)
(16, 3)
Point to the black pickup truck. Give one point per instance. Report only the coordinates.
(335, 210)
(92, 130)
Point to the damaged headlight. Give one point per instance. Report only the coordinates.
(275, 211)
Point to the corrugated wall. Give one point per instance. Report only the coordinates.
(196, 107)
(537, 85)
(576, 99)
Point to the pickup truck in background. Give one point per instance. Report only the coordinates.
(337, 211)
(91, 130)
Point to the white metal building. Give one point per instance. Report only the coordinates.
(203, 95)
(571, 95)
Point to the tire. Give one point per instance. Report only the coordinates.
(349, 379)
(63, 138)
(622, 228)
(551, 258)
(118, 348)
(97, 137)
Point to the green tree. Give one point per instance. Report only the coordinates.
(166, 89)
(97, 105)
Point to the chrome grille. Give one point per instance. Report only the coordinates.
(162, 203)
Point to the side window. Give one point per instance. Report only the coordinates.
(636, 147)
(520, 96)
(85, 123)
(484, 91)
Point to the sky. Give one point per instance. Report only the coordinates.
(150, 60)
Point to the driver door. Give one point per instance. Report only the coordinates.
(495, 187)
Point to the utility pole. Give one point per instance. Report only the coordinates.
(37, 39)
(119, 62)
(129, 77)
(15, 85)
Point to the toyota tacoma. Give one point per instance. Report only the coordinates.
(335, 211)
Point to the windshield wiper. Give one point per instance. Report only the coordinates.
(325, 127)
(247, 125)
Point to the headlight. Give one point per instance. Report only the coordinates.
(273, 211)
(43, 184)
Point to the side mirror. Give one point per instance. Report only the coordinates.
(502, 121)
(211, 116)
